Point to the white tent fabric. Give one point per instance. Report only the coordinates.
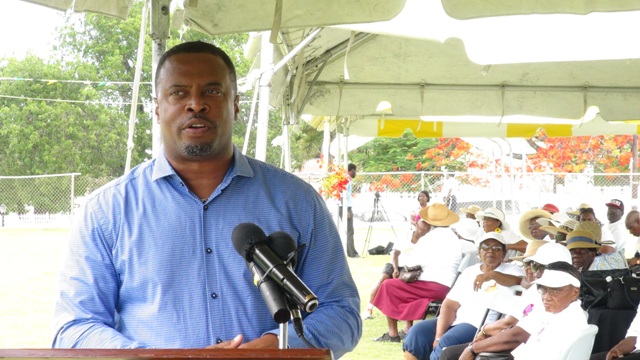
(419, 56)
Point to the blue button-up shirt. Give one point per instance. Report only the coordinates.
(151, 265)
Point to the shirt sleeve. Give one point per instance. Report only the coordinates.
(85, 315)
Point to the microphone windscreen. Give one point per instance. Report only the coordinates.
(245, 236)
(282, 244)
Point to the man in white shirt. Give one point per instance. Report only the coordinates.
(624, 240)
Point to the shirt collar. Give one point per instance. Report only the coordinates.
(240, 166)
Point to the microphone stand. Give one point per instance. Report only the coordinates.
(283, 339)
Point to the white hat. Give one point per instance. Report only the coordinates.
(492, 235)
(550, 252)
(493, 213)
(557, 279)
(466, 228)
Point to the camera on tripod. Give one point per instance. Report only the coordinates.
(377, 195)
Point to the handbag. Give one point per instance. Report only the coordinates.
(616, 289)
(410, 274)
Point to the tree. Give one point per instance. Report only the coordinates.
(393, 154)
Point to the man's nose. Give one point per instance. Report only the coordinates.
(197, 104)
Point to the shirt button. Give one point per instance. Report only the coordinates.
(206, 207)
(214, 295)
(209, 251)
(218, 341)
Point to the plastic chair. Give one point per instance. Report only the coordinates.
(579, 344)
(467, 260)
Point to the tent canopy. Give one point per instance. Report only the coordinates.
(498, 59)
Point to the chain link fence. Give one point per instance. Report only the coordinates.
(52, 200)
(45, 200)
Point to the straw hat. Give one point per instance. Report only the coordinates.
(592, 227)
(555, 220)
(581, 239)
(438, 214)
(576, 212)
(566, 227)
(525, 219)
(532, 248)
(473, 209)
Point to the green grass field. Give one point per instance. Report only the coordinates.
(31, 259)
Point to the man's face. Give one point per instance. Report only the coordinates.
(536, 232)
(613, 214)
(582, 258)
(196, 107)
(352, 173)
(633, 225)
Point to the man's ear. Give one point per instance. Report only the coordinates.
(155, 110)
(236, 107)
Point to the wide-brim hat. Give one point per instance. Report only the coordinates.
(550, 252)
(438, 214)
(594, 228)
(576, 212)
(581, 239)
(566, 227)
(525, 219)
(466, 228)
(473, 209)
(493, 213)
(556, 219)
(532, 248)
(492, 236)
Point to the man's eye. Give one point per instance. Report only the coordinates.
(176, 93)
(213, 92)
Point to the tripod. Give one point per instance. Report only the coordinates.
(377, 205)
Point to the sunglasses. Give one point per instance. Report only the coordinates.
(536, 266)
(555, 292)
(494, 248)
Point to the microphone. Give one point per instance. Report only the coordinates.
(271, 294)
(251, 243)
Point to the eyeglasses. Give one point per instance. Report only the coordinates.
(554, 292)
(494, 248)
(536, 266)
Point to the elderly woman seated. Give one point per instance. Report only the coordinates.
(463, 308)
(542, 335)
(439, 254)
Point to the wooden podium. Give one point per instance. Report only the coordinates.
(190, 354)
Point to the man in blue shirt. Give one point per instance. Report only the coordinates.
(151, 263)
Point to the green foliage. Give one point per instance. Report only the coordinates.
(391, 154)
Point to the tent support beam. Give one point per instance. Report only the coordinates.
(497, 87)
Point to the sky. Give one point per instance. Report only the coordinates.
(27, 27)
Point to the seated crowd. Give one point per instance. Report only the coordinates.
(466, 262)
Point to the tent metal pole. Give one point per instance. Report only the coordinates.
(160, 18)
